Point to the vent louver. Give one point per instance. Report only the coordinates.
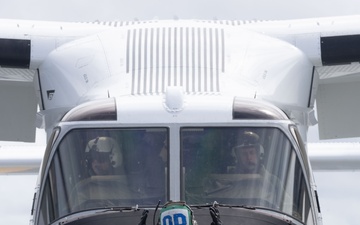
(191, 57)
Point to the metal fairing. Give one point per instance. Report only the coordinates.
(198, 57)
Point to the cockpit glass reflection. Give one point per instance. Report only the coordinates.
(243, 166)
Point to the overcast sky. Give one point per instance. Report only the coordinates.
(339, 191)
(91, 10)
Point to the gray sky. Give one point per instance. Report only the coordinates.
(338, 191)
(90, 10)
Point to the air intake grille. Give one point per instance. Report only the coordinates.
(191, 57)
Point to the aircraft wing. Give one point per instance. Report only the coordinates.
(23, 46)
(16, 159)
(327, 157)
(333, 46)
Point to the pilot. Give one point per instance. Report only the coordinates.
(248, 152)
(249, 155)
(103, 156)
(107, 182)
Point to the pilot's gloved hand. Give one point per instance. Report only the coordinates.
(215, 215)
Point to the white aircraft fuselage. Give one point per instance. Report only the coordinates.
(196, 114)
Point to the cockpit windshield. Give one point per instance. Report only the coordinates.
(96, 168)
(122, 167)
(243, 166)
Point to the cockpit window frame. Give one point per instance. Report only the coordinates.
(54, 136)
(278, 125)
(54, 151)
(302, 149)
(307, 168)
(174, 142)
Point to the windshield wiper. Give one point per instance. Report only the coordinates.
(135, 208)
(123, 209)
(214, 212)
(215, 204)
(238, 206)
